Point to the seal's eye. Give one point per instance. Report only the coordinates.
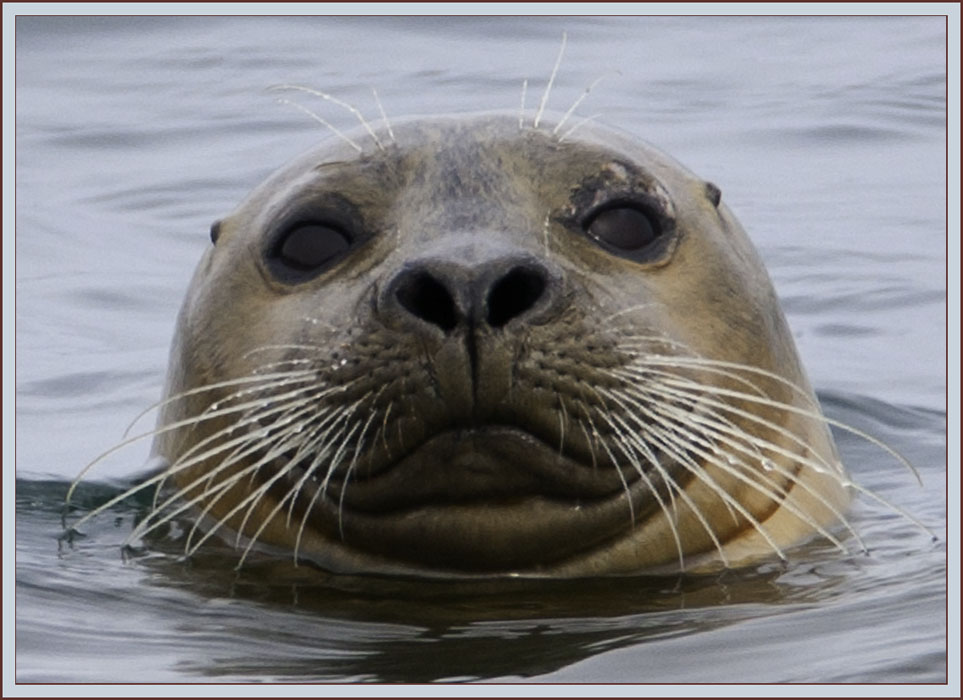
(624, 228)
(307, 247)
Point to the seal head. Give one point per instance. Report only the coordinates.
(474, 348)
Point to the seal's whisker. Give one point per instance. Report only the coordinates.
(647, 453)
(581, 122)
(714, 365)
(301, 414)
(147, 483)
(258, 417)
(341, 103)
(253, 397)
(320, 492)
(384, 428)
(324, 122)
(354, 461)
(782, 492)
(669, 441)
(245, 444)
(249, 502)
(562, 420)
(632, 309)
(698, 393)
(643, 366)
(321, 447)
(317, 446)
(344, 444)
(821, 466)
(317, 443)
(668, 435)
(551, 81)
(620, 437)
(708, 436)
(640, 441)
(521, 109)
(893, 507)
(304, 362)
(589, 440)
(384, 117)
(224, 407)
(290, 494)
(155, 480)
(213, 490)
(815, 415)
(223, 487)
(679, 450)
(683, 388)
(581, 98)
(272, 347)
(720, 427)
(200, 390)
(137, 438)
(627, 448)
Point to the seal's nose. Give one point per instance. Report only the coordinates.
(513, 294)
(447, 295)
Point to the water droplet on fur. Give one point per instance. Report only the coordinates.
(768, 465)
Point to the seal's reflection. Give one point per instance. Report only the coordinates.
(299, 624)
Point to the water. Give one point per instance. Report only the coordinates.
(827, 138)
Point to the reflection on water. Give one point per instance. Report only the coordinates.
(826, 136)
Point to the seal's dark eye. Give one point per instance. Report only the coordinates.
(308, 246)
(625, 228)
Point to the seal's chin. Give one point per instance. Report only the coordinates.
(480, 500)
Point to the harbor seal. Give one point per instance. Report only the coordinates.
(474, 346)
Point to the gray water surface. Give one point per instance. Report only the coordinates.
(827, 137)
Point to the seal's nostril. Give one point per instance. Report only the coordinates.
(428, 299)
(513, 295)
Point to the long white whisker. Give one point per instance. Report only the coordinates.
(384, 117)
(578, 125)
(670, 482)
(770, 488)
(341, 103)
(719, 391)
(670, 485)
(247, 444)
(321, 120)
(521, 110)
(577, 102)
(551, 81)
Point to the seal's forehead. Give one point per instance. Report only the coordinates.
(463, 163)
(468, 137)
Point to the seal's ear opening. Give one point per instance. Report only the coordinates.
(713, 193)
(215, 231)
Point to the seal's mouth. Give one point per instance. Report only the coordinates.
(480, 465)
(482, 499)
